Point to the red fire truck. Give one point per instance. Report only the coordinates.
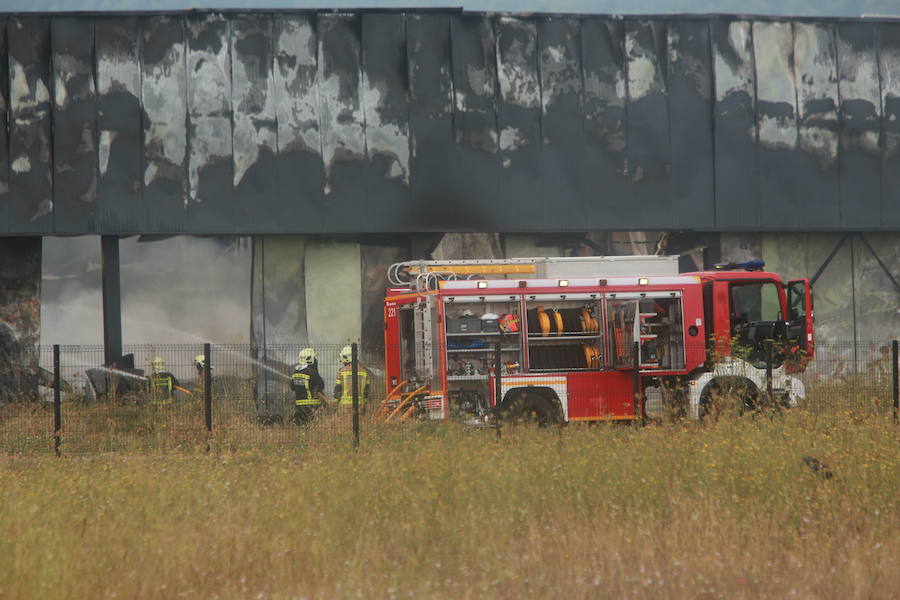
(589, 339)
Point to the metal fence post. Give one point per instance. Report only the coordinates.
(770, 359)
(636, 382)
(354, 387)
(57, 402)
(498, 373)
(896, 381)
(498, 383)
(207, 385)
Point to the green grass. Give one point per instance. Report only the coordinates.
(671, 510)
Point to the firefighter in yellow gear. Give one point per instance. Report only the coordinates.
(343, 384)
(200, 365)
(162, 382)
(308, 386)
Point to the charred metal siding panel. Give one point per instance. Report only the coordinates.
(603, 60)
(860, 109)
(209, 133)
(342, 122)
(4, 131)
(305, 122)
(562, 121)
(301, 176)
(441, 201)
(30, 125)
(647, 125)
(691, 124)
(815, 73)
(120, 124)
(889, 64)
(164, 98)
(75, 126)
(780, 190)
(737, 189)
(475, 132)
(258, 206)
(519, 115)
(385, 100)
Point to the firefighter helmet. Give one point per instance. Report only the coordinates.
(307, 356)
(512, 367)
(157, 363)
(346, 355)
(200, 360)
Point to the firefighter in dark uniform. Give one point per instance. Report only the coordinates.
(308, 387)
(162, 382)
(343, 385)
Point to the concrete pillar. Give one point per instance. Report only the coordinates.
(277, 317)
(877, 298)
(20, 316)
(278, 290)
(333, 292)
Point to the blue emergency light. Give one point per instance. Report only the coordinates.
(750, 265)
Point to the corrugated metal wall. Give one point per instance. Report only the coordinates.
(391, 122)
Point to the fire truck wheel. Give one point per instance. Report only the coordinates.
(728, 395)
(530, 408)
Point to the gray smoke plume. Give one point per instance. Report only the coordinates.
(175, 290)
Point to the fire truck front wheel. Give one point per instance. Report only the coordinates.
(530, 406)
(722, 395)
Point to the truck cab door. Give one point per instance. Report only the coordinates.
(800, 315)
(756, 316)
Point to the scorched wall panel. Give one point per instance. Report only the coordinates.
(304, 122)
(4, 131)
(690, 77)
(120, 124)
(75, 126)
(30, 125)
(562, 120)
(210, 168)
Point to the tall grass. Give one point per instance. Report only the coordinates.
(676, 510)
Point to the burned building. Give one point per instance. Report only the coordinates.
(342, 142)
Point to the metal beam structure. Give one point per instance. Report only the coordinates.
(294, 122)
(112, 300)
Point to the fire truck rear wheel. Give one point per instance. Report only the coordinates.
(531, 408)
(723, 395)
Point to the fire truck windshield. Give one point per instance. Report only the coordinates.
(756, 316)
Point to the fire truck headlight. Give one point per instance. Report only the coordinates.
(482, 284)
(643, 281)
(563, 283)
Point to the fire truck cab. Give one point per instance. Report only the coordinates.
(590, 338)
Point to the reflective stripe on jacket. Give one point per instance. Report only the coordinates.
(300, 383)
(344, 384)
(162, 384)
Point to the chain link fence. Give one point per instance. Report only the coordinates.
(233, 396)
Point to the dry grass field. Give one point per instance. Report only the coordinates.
(723, 510)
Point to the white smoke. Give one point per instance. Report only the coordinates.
(174, 291)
